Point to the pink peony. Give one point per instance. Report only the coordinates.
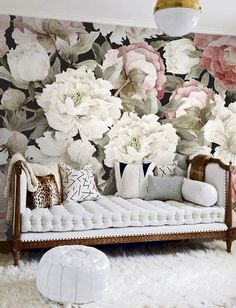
(45, 31)
(142, 58)
(192, 94)
(234, 185)
(219, 57)
(4, 25)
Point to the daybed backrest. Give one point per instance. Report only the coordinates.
(217, 175)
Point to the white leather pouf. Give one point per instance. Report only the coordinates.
(73, 274)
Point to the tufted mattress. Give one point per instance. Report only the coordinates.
(111, 211)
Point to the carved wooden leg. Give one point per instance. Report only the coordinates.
(16, 257)
(229, 240)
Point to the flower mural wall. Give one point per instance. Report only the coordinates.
(77, 92)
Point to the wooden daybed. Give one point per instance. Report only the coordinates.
(216, 172)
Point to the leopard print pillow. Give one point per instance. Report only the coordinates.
(47, 193)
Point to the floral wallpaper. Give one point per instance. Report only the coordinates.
(78, 92)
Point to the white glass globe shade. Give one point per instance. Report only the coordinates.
(177, 21)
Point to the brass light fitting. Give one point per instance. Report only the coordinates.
(166, 4)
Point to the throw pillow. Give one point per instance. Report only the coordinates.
(47, 193)
(165, 188)
(51, 168)
(166, 170)
(197, 167)
(78, 185)
(131, 179)
(199, 192)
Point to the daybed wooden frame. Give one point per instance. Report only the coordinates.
(19, 245)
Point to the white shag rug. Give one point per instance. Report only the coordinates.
(174, 274)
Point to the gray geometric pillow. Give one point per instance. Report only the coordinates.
(166, 188)
(78, 185)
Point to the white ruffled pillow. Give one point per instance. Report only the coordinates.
(199, 192)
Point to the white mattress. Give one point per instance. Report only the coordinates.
(116, 212)
(121, 232)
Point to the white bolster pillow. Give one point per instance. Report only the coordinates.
(199, 192)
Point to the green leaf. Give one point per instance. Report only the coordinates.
(158, 44)
(172, 106)
(173, 81)
(97, 52)
(194, 53)
(129, 104)
(205, 79)
(51, 25)
(63, 36)
(114, 73)
(53, 57)
(84, 43)
(220, 89)
(187, 147)
(99, 72)
(195, 72)
(5, 75)
(31, 89)
(54, 70)
(186, 135)
(151, 105)
(4, 63)
(188, 121)
(40, 129)
(45, 40)
(100, 154)
(137, 76)
(104, 48)
(90, 63)
(232, 95)
(19, 122)
(100, 51)
(133, 84)
(206, 112)
(110, 187)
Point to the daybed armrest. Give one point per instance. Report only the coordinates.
(20, 187)
(20, 192)
(219, 175)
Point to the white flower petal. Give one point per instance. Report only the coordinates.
(3, 156)
(13, 99)
(5, 134)
(214, 131)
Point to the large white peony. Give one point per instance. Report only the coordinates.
(78, 102)
(135, 140)
(58, 147)
(222, 131)
(28, 62)
(178, 58)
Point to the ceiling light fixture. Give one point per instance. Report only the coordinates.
(177, 18)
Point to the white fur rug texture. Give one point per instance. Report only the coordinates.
(174, 274)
